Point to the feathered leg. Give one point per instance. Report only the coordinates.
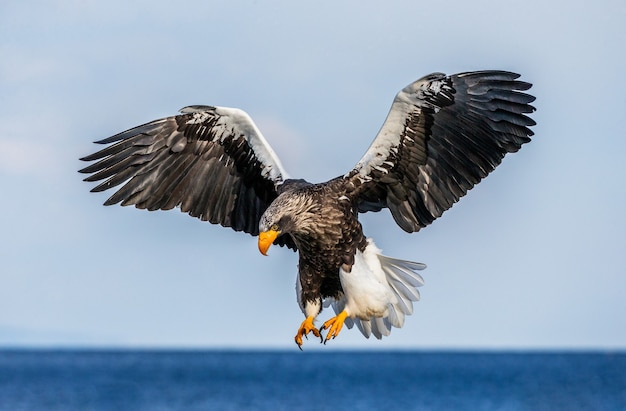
(311, 310)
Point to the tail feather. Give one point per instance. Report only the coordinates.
(403, 281)
(396, 316)
(402, 290)
(377, 326)
(403, 269)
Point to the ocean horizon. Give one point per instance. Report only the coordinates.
(276, 379)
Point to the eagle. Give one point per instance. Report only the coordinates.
(442, 135)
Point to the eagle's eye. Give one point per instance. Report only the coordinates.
(274, 227)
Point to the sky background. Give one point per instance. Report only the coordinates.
(534, 257)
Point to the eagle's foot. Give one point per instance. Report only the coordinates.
(305, 328)
(334, 325)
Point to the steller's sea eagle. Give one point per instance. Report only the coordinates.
(442, 135)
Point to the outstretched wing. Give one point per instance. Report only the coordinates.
(212, 162)
(443, 135)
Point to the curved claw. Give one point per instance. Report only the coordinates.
(334, 325)
(305, 328)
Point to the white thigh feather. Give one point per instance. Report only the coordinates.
(378, 292)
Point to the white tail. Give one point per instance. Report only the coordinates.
(398, 277)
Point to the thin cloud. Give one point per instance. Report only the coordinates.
(25, 157)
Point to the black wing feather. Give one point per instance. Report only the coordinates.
(442, 136)
(212, 162)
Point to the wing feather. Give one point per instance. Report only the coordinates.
(212, 162)
(442, 136)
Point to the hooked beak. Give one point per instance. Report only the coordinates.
(266, 238)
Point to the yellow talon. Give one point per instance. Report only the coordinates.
(305, 328)
(334, 325)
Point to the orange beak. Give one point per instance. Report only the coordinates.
(266, 238)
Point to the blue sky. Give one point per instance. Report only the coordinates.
(533, 257)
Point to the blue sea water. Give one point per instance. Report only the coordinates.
(255, 380)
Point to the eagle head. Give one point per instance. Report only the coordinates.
(290, 213)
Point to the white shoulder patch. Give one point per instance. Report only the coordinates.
(241, 122)
(237, 124)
